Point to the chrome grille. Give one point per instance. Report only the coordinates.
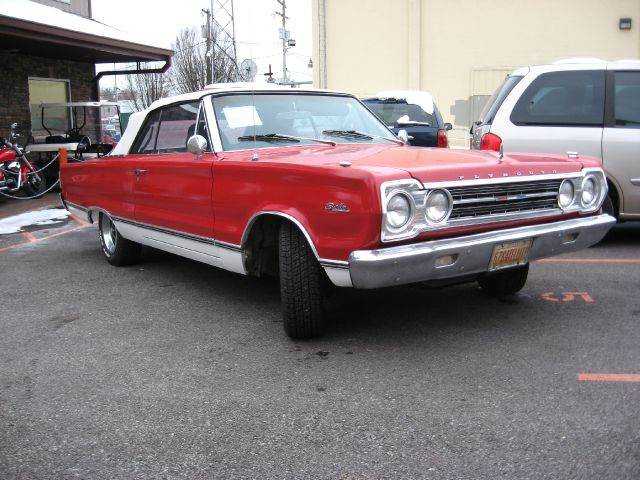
(505, 198)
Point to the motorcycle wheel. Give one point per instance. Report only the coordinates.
(35, 186)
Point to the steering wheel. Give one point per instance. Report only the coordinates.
(86, 141)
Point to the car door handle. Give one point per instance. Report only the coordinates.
(139, 171)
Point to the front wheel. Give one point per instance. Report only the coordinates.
(505, 282)
(117, 250)
(302, 285)
(608, 207)
(36, 185)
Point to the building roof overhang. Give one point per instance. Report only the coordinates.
(35, 29)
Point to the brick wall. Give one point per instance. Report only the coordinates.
(15, 71)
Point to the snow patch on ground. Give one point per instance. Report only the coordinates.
(50, 216)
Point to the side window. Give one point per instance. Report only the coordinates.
(146, 140)
(626, 99)
(564, 99)
(177, 124)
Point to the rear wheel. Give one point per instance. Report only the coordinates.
(302, 285)
(117, 250)
(505, 282)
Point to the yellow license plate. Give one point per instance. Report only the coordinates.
(510, 254)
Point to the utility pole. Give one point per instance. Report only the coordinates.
(209, 73)
(284, 35)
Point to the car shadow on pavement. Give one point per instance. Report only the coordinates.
(407, 311)
(627, 233)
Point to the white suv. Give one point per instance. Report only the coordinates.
(580, 106)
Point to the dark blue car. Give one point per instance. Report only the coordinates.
(414, 112)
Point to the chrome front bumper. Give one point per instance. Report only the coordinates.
(416, 262)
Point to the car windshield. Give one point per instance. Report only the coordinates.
(247, 121)
(396, 112)
(495, 101)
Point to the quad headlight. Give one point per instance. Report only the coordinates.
(566, 194)
(590, 191)
(410, 207)
(438, 206)
(398, 210)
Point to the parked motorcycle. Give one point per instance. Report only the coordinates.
(16, 172)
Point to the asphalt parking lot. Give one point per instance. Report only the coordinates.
(173, 369)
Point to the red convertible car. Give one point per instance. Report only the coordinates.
(311, 186)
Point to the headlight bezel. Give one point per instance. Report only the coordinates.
(578, 181)
(413, 191)
(416, 194)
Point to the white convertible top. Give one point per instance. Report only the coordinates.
(136, 119)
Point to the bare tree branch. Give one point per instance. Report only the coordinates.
(191, 68)
(147, 88)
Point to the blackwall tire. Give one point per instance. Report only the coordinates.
(35, 186)
(117, 250)
(505, 282)
(302, 285)
(608, 207)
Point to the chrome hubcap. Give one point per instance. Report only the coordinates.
(108, 230)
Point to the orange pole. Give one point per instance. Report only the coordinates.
(63, 156)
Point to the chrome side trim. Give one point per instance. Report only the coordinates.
(168, 231)
(77, 210)
(209, 250)
(179, 245)
(334, 263)
(471, 254)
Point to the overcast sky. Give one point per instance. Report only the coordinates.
(255, 22)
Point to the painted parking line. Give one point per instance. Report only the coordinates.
(609, 377)
(631, 261)
(79, 220)
(28, 236)
(567, 297)
(31, 240)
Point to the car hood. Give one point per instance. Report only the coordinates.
(430, 164)
(442, 164)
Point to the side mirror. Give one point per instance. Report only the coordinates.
(448, 126)
(197, 144)
(403, 135)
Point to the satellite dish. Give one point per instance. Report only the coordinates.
(248, 70)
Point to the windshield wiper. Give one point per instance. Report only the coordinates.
(276, 137)
(356, 134)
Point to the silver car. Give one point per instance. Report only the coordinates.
(574, 107)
